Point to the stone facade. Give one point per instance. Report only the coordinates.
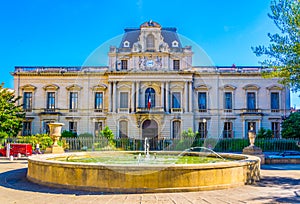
(150, 89)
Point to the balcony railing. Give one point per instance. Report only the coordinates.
(49, 110)
(153, 109)
(123, 110)
(99, 110)
(251, 110)
(202, 110)
(275, 110)
(227, 110)
(176, 110)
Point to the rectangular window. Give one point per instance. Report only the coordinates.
(124, 100)
(176, 100)
(50, 101)
(202, 102)
(124, 64)
(73, 126)
(123, 129)
(73, 102)
(27, 101)
(98, 102)
(26, 131)
(176, 65)
(176, 130)
(227, 131)
(202, 131)
(228, 102)
(274, 102)
(98, 128)
(251, 101)
(276, 129)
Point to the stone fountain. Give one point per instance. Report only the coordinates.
(55, 134)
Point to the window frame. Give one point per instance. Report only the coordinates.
(73, 101)
(176, 130)
(49, 105)
(204, 109)
(98, 107)
(123, 133)
(176, 64)
(27, 101)
(277, 108)
(226, 108)
(121, 103)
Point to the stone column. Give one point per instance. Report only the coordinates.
(162, 91)
(167, 96)
(114, 96)
(186, 97)
(137, 95)
(190, 97)
(109, 95)
(132, 96)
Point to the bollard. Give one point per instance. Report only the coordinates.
(11, 158)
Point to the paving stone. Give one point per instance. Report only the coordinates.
(279, 184)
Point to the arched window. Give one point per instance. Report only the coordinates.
(150, 42)
(123, 129)
(150, 98)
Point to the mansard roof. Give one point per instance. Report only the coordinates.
(131, 35)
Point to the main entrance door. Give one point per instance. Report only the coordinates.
(150, 130)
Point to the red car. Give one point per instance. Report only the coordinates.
(23, 149)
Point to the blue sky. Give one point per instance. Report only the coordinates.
(65, 32)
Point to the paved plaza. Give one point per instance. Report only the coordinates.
(279, 184)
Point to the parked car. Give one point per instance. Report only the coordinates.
(15, 149)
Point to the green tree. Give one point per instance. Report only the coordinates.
(283, 52)
(291, 126)
(109, 135)
(263, 133)
(188, 134)
(11, 114)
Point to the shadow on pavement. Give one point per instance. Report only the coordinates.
(16, 179)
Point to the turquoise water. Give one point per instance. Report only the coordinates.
(123, 158)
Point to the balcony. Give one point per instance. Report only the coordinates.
(98, 110)
(51, 111)
(275, 110)
(227, 110)
(251, 112)
(123, 110)
(202, 110)
(176, 110)
(151, 110)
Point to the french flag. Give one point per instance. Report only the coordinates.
(149, 101)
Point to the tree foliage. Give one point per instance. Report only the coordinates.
(283, 52)
(11, 114)
(109, 135)
(264, 133)
(291, 126)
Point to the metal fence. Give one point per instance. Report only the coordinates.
(219, 145)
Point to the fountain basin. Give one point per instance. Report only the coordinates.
(142, 178)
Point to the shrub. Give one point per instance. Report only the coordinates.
(86, 134)
(67, 133)
(263, 133)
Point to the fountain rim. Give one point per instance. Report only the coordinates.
(241, 160)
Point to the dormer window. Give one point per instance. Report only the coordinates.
(126, 44)
(150, 42)
(174, 43)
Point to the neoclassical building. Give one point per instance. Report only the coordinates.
(151, 89)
